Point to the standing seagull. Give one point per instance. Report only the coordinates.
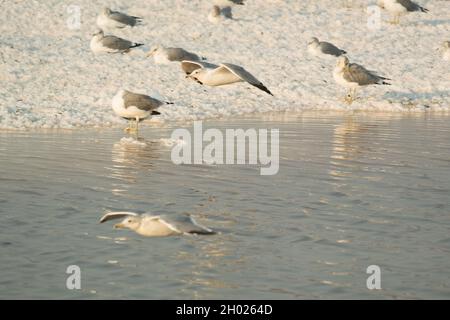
(111, 44)
(135, 106)
(163, 55)
(400, 7)
(156, 226)
(213, 75)
(316, 48)
(109, 19)
(352, 75)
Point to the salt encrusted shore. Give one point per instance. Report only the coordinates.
(49, 78)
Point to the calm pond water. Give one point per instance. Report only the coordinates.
(353, 190)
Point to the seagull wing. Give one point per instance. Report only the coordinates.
(329, 48)
(243, 75)
(184, 224)
(179, 54)
(141, 101)
(362, 76)
(124, 18)
(116, 43)
(116, 215)
(411, 6)
(189, 66)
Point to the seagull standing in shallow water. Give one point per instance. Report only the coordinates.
(135, 106)
(109, 19)
(400, 7)
(352, 76)
(156, 226)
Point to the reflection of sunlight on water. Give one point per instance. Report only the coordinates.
(131, 158)
(204, 266)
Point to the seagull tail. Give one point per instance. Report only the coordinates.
(168, 102)
(155, 113)
(422, 9)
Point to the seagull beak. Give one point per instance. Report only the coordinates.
(119, 226)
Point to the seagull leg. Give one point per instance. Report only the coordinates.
(128, 128)
(137, 126)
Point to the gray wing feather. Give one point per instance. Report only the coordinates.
(411, 6)
(141, 101)
(185, 224)
(124, 18)
(179, 54)
(189, 66)
(246, 76)
(329, 48)
(116, 43)
(116, 215)
(362, 76)
(226, 12)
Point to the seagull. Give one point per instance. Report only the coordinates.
(163, 55)
(316, 48)
(114, 19)
(352, 75)
(213, 75)
(218, 14)
(156, 226)
(446, 50)
(400, 7)
(135, 106)
(111, 44)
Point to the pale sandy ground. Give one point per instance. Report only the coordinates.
(50, 78)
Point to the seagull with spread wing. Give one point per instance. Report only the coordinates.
(156, 225)
(226, 73)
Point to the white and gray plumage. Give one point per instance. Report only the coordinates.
(162, 55)
(218, 14)
(135, 106)
(214, 75)
(317, 48)
(109, 19)
(156, 226)
(446, 50)
(352, 76)
(400, 7)
(111, 44)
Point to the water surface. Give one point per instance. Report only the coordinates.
(353, 190)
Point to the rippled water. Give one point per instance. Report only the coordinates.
(352, 191)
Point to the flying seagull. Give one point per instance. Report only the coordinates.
(111, 44)
(163, 55)
(135, 106)
(316, 48)
(109, 19)
(156, 226)
(213, 75)
(352, 76)
(400, 7)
